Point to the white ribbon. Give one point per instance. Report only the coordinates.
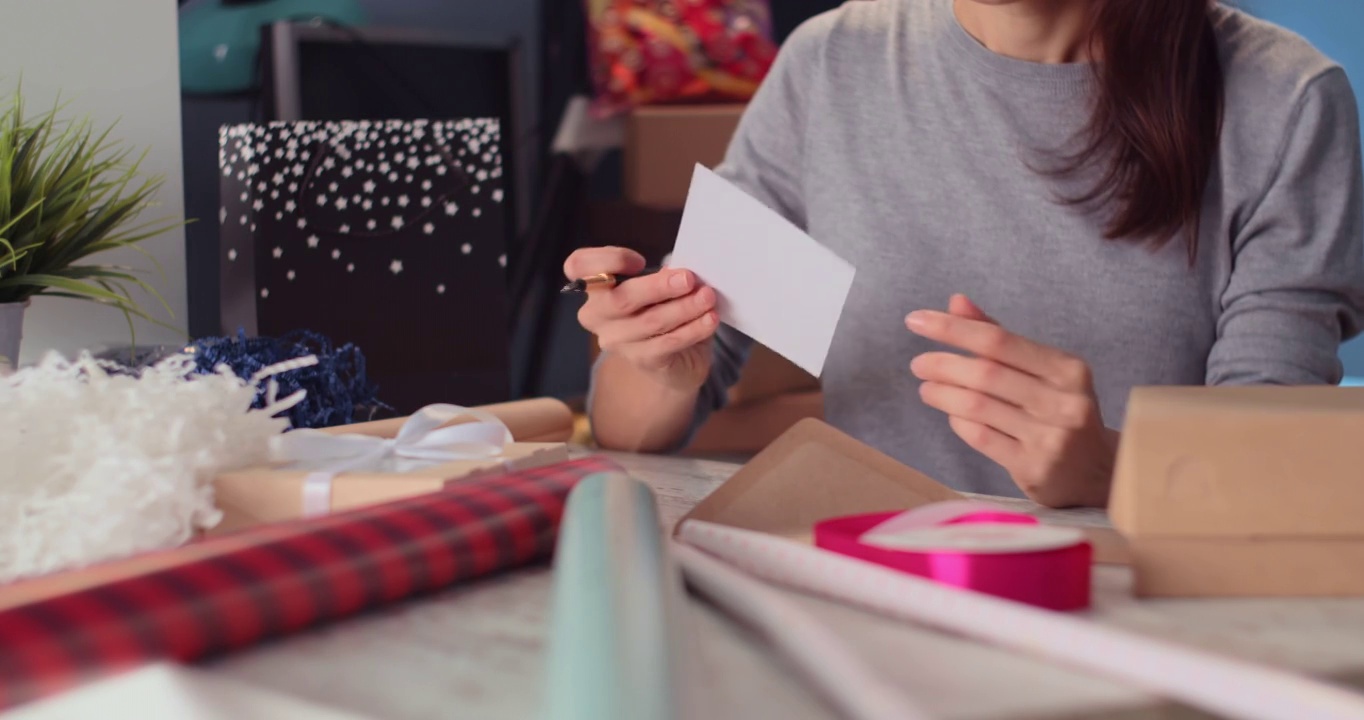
(422, 439)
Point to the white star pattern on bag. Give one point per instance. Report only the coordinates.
(474, 141)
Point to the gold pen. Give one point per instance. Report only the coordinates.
(608, 279)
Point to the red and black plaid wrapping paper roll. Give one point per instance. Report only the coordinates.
(328, 568)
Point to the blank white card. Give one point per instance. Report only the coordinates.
(775, 284)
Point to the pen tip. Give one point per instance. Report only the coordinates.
(575, 286)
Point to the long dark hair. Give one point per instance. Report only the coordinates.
(1157, 118)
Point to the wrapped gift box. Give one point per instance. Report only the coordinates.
(280, 492)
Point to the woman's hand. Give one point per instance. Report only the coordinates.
(1029, 407)
(660, 323)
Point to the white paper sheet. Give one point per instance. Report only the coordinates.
(775, 284)
(171, 691)
(1221, 685)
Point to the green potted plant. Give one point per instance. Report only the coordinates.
(66, 194)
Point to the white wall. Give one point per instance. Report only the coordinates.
(116, 60)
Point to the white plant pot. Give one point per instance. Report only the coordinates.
(11, 332)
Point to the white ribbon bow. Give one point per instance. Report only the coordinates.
(422, 439)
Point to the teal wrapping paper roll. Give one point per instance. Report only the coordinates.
(617, 650)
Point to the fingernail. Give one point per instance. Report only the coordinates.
(678, 281)
(916, 320)
(708, 319)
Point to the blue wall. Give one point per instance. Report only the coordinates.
(1336, 27)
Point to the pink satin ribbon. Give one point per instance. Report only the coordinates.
(1055, 579)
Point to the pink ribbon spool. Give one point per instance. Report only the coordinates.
(1005, 554)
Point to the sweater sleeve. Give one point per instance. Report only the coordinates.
(1297, 285)
(764, 159)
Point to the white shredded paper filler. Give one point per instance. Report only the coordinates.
(99, 465)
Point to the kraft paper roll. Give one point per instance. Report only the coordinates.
(535, 420)
(616, 649)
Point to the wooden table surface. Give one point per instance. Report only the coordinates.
(477, 651)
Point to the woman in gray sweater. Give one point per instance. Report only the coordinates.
(1137, 192)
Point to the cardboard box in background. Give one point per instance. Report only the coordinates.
(664, 143)
(814, 472)
(766, 375)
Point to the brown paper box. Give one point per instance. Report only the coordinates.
(663, 145)
(814, 472)
(1243, 491)
(1247, 567)
(767, 375)
(264, 495)
(747, 428)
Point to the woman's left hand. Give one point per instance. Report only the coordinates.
(1029, 407)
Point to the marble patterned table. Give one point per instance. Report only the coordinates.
(476, 651)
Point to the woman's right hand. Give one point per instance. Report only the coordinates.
(661, 323)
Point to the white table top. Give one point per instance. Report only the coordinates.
(476, 651)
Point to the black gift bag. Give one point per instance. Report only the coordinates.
(387, 234)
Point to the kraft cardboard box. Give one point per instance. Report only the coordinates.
(1243, 491)
(664, 143)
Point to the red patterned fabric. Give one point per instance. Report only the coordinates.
(331, 568)
(650, 52)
